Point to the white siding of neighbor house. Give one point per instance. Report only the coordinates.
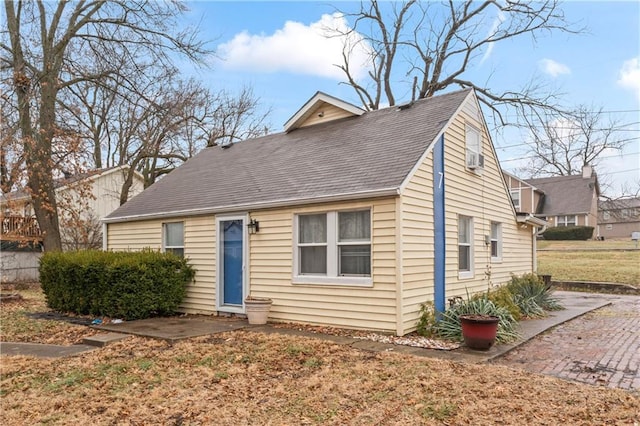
(484, 197)
(271, 272)
(200, 249)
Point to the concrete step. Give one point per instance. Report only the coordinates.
(103, 339)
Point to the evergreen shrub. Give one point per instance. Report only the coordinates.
(127, 285)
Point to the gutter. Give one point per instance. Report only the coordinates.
(529, 219)
(387, 192)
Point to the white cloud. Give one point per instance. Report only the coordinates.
(298, 49)
(629, 76)
(492, 32)
(553, 68)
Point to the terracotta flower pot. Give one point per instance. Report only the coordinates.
(479, 331)
(257, 309)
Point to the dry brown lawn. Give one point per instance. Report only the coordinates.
(245, 377)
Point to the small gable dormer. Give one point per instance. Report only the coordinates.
(321, 108)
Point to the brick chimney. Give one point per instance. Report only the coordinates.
(587, 170)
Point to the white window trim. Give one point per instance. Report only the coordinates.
(565, 222)
(220, 306)
(498, 239)
(332, 277)
(519, 192)
(470, 273)
(164, 237)
(471, 128)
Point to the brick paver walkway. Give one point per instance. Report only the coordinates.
(599, 348)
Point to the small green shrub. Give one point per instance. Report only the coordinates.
(569, 233)
(127, 285)
(449, 325)
(531, 295)
(502, 296)
(427, 320)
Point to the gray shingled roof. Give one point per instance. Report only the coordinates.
(342, 159)
(566, 194)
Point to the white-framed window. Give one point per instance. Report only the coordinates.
(333, 248)
(567, 220)
(609, 227)
(173, 238)
(606, 215)
(515, 197)
(465, 246)
(496, 241)
(473, 141)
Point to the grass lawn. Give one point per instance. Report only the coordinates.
(245, 377)
(590, 261)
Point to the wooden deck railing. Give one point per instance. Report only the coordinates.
(20, 228)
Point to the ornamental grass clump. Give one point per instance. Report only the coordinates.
(448, 327)
(532, 296)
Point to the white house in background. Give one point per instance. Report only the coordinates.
(83, 201)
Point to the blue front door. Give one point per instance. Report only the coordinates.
(232, 261)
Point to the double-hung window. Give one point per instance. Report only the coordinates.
(354, 243)
(334, 247)
(312, 244)
(173, 238)
(473, 142)
(568, 220)
(496, 241)
(515, 197)
(465, 248)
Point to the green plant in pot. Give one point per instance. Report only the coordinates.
(478, 321)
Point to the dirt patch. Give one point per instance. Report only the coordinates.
(28, 320)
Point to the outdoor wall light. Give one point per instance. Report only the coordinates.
(253, 226)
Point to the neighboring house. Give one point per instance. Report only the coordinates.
(569, 200)
(526, 197)
(560, 200)
(83, 200)
(348, 218)
(619, 218)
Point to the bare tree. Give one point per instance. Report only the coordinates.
(44, 46)
(563, 143)
(434, 44)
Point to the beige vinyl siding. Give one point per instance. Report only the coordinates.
(323, 113)
(199, 248)
(271, 272)
(484, 197)
(417, 244)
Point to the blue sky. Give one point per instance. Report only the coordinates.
(275, 48)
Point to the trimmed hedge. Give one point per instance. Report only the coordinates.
(127, 285)
(568, 233)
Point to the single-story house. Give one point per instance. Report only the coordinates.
(347, 218)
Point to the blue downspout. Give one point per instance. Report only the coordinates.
(439, 230)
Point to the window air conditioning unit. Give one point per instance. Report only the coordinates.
(475, 160)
